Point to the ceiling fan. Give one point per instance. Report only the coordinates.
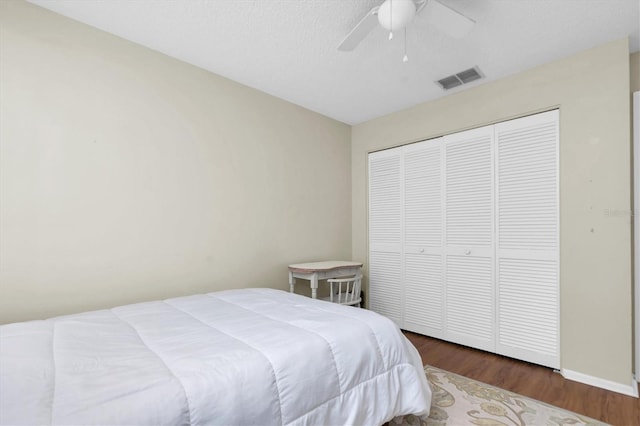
(394, 15)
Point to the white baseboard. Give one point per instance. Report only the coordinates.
(631, 389)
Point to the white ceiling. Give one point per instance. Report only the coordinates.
(287, 48)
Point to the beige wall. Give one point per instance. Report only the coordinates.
(127, 175)
(592, 91)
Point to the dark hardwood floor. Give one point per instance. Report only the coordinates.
(528, 379)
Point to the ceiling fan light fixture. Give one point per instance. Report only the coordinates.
(394, 15)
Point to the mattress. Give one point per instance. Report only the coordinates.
(237, 357)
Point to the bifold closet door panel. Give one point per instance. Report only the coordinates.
(527, 246)
(423, 242)
(385, 234)
(469, 238)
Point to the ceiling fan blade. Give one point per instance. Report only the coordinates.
(447, 20)
(364, 27)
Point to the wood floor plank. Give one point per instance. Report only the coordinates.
(527, 379)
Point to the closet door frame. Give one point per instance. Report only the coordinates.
(456, 257)
(636, 225)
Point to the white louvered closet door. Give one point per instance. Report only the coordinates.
(469, 238)
(527, 246)
(423, 254)
(385, 233)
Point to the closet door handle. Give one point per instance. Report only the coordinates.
(467, 252)
(421, 250)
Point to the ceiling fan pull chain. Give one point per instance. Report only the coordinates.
(390, 19)
(405, 58)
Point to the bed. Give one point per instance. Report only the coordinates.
(236, 357)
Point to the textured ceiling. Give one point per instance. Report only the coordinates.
(287, 48)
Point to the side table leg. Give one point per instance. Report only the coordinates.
(314, 286)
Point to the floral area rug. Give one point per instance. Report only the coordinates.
(458, 400)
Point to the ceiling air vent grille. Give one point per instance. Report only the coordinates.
(463, 77)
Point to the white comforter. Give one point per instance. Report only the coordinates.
(255, 356)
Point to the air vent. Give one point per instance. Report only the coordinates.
(463, 77)
(449, 82)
